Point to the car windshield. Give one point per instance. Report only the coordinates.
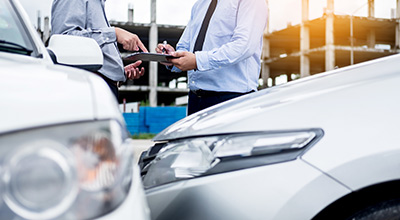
(13, 34)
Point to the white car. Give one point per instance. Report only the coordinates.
(322, 147)
(65, 152)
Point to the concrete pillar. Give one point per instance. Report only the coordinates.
(371, 39)
(273, 81)
(371, 8)
(153, 66)
(265, 74)
(266, 52)
(266, 31)
(304, 40)
(265, 71)
(39, 23)
(46, 29)
(329, 38)
(397, 44)
(130, 12)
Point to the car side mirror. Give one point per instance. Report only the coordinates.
(75, 51)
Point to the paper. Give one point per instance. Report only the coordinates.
(156, 57)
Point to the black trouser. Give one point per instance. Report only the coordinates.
(201, 99)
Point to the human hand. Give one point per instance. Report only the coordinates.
(185, 61)
(132, 71)
(165, 49)
(129, 41)
(168, 49)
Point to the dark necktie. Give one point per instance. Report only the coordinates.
(202, 34)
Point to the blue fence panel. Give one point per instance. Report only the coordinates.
(132, 122)
(153, 119)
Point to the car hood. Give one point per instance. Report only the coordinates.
(36, 93)
(289, 106)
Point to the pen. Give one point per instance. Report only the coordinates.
(165, 44)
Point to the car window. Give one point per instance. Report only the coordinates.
(14, 37)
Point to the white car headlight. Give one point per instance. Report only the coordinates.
(73, 171)
(201, 156)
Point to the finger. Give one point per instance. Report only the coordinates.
(137, 63)
(133, 65)
(141, 72)
(178, 54)
(133, 74)
(166, 64)
(175, 61)
(141, 45)
(170, 50)
(133, 45)
(126, 47)
(136, 73)
(160, 46)
(158, 50)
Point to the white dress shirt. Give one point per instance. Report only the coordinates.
(231, 55)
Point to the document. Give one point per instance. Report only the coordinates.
(156, 57)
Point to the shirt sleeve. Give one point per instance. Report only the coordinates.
(184, 40)
(182, 45)
(70, 17)
(251, 22)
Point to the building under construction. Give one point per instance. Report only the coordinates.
(329, 42)
(311, 47)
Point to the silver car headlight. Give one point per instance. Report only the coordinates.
(201, 156)
(72, 171)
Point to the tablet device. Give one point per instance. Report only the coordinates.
(156, 57)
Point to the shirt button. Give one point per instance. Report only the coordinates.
(107, 38)
(192, 82)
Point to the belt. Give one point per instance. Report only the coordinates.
(207, 93)
(118, 84)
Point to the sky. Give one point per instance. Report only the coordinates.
(177, 12)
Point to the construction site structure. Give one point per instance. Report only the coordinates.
(329, 42)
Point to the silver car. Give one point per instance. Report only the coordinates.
(65, 152)
(322, 147)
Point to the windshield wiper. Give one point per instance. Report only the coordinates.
(14, 48)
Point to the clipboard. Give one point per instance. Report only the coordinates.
(156, 57)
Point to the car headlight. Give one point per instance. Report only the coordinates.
(201, 156)
(72, 171)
